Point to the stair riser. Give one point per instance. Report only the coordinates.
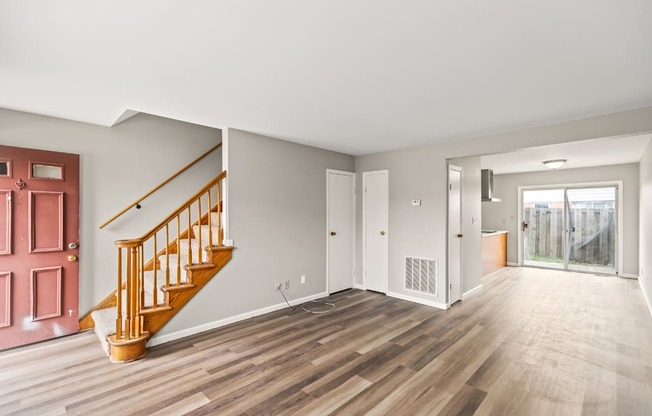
(183, 256)
(204, 235)
(214, 221)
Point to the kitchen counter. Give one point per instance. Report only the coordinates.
(489, 233)
(494, 250)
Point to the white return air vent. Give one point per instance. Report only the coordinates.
(421, 275)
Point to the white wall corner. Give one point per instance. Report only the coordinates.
(358, 286)
(225, 185)
(512, 264)
(471, 292)
(158, 340)
(417, 300)
(648, 301)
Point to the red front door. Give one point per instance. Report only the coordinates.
(39, 238)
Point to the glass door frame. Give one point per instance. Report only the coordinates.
(565, 241)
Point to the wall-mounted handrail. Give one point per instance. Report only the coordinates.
(162, 184)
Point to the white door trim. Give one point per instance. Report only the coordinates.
(328, 226)
(448, 235)
(619, 184)
(364, 227)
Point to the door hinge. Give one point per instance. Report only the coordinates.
(450, 187)
(450, 286)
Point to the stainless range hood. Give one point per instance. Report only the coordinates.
(487, 186)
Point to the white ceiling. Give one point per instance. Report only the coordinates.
(581, 154)
(354, 76)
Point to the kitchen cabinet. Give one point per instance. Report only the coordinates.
(494, 251)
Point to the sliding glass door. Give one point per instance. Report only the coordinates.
(592, 229)
(543, 228)
(572, 228)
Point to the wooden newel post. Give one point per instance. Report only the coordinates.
(129, 341)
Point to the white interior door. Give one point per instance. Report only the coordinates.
(341, 230)
(375, 229)
(454, 234)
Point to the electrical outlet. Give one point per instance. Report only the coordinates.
(277, 287)
(287, 285)
(303, 279)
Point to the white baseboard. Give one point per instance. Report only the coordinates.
(358, 286)
(628, 276)
(471, 292)
(510, 264)
(648, 301)
(162, 339)
(417, 300)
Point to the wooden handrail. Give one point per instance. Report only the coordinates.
(183, 206)
(162, 184)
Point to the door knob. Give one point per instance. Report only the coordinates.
(460, 235)
(72, 257)
(382, 233)
(333, 233)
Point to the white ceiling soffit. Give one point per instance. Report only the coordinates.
(127, 114)
(353, 76)
(580, 154)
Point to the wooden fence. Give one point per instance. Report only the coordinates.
(593, 241)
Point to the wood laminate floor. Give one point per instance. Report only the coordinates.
(533, 342)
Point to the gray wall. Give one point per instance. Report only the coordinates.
(504, 215)
(277, 220)
(471, 222)
(645, 277)
(420, 173)
(118, 165)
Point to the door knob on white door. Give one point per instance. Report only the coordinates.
(382, 233)
(333, 233)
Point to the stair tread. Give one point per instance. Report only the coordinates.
(183, 255)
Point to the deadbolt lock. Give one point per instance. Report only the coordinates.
(72, 246)
(72, 257)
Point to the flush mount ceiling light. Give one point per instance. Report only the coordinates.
(554, 164)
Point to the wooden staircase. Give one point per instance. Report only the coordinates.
(185, 251)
